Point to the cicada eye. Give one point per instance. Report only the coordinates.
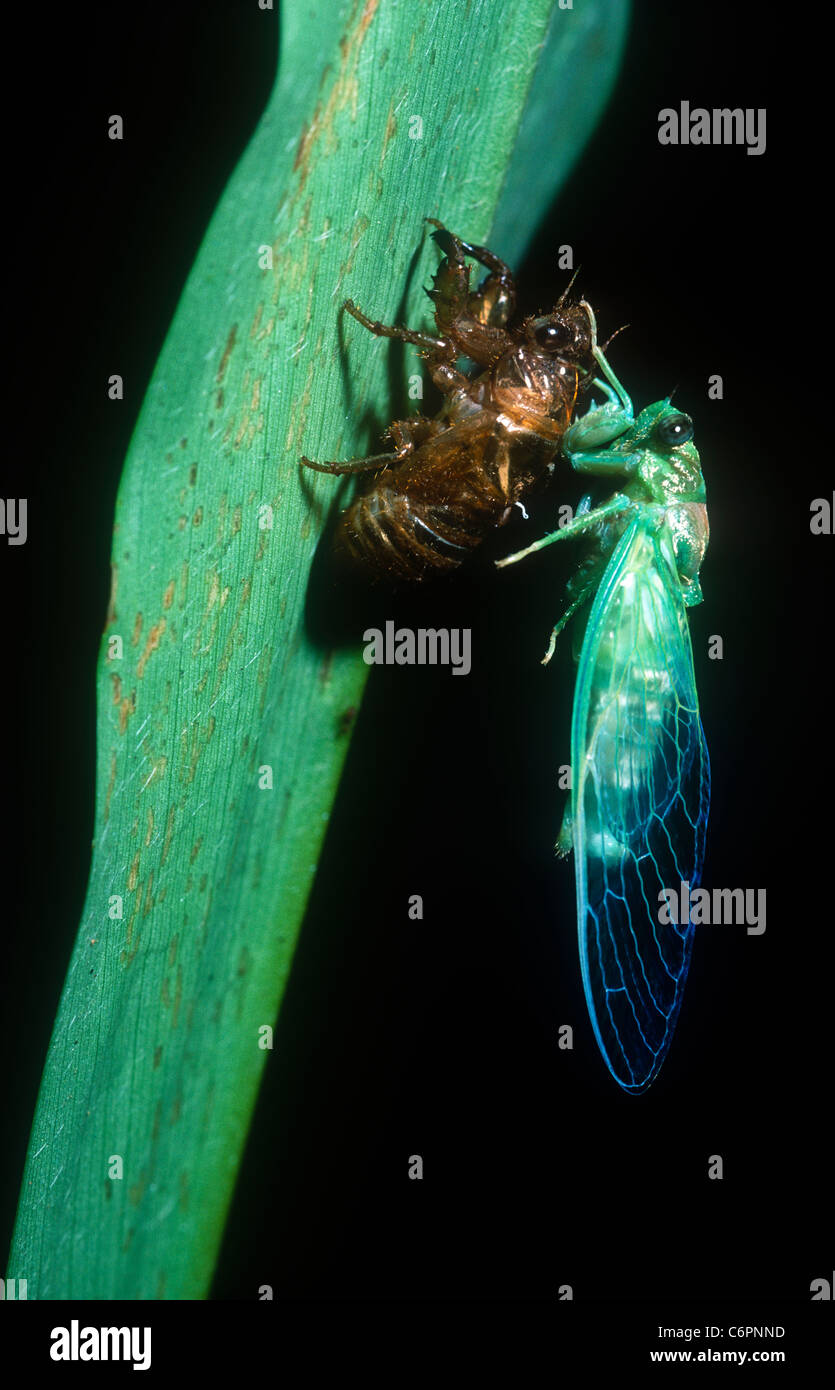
(674, 428)
(553, 335)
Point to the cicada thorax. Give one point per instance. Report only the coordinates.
(690, 533)
(536, 393)
(424, 515)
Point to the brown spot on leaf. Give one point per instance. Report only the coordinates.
(126, 709)
(151, 645)
(134, 873)
(345, 720)
(137, 1189)
(389, 133)
(169, 830)
(111, 605)
(149, 900)
(308, 135)
(227, 352)
(242, 429)
(110, 784)
(178, 997)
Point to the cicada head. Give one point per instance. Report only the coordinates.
(536, 383)
(662, 454)
(565, 333)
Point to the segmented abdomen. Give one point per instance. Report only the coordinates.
(425, 515)
(411, 538)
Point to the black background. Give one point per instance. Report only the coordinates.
(439, 1037)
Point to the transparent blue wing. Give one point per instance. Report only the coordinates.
(640, 800)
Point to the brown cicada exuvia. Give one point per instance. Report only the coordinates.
(450, 480)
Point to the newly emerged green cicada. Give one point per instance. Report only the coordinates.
(641, 775)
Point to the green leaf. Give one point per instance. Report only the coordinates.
(220, 720)
(573, 81)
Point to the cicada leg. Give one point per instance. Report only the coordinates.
(351, 465)
(565, 839)
(440, 353)
(425, 341)
(585, 443)
(458, 310)
(408, 435)
(473, 320)
(584, 521)
(576, 603)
